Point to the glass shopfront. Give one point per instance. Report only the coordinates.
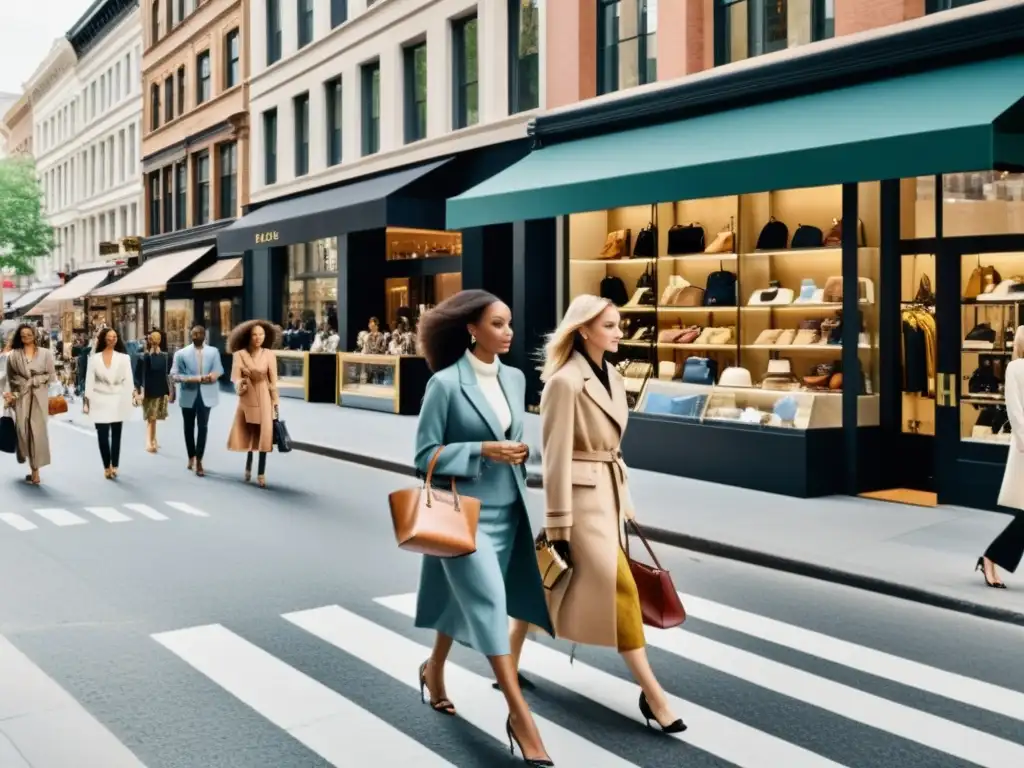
(421, 286)
(311, 289)
(178, 322)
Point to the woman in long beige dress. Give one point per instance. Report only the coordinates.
(30, 370)
(254, 374)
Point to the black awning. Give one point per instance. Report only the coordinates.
(383, 201)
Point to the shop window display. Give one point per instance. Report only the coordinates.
(732, 306)
(177, 323)
(311, 299)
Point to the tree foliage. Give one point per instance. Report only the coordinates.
(24, 233)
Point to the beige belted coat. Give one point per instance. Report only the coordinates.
(587, 496)
(256, 384)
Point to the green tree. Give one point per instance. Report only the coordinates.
(24, 233)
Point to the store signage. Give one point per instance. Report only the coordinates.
(109, 249)
(131, 244)
(267, 237)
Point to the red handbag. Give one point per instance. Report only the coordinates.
(659, 602)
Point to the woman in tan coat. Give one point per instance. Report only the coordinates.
(30, 370)
(254, 374)
(583, 417)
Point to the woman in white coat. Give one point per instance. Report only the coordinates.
(1008, 547)
(109, 386)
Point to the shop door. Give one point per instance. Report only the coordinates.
(976, 322)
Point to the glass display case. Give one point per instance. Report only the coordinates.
(368, 381)
(292, 373)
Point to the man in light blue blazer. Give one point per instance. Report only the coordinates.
(196, 370)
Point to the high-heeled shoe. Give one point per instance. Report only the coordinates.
(677, 726)
(248, 475)
(261, 481)
(108, 474)
(981, 567)
(513, 738)
(444, 706)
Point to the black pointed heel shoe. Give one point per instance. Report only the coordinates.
(981, 567)
(645, 709)
(444, 706)
(513, 738)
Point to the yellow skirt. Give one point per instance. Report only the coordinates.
(629, 623)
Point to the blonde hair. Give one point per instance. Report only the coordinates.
(561, 342)
(1018, 343)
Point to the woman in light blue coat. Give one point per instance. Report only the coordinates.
(474, 408)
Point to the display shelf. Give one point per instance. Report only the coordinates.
(389, 383)
(292, 373)
(822, 348)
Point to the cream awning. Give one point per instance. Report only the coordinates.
(225, 273)
(28, 299)
(76, 289)
(154, 274)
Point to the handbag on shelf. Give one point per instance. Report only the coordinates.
(282, 439)
(552, 565)
(659, 602)
(431, 521)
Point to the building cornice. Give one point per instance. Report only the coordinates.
(976, 32)
(98, 21)
(19, 110)
(236, 127)
(204, 234)
(58, 62)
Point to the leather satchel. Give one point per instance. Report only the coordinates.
(659, 602)
(552, 565)
(434, 522)
(58, 405)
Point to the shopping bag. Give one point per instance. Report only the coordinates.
(8, 434)
(282, 439)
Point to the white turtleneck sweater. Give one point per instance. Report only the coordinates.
(487, 380)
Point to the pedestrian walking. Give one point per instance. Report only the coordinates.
(30, 371)
(1008, 547)
(254, 374)
(109, 394)
(583, 418)
(473, 411)
(153, 383)
(196, 369)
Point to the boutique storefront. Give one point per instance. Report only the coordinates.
(818, 288)
(348, 270)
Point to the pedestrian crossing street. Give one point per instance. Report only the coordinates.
(343, 733)
(59, 517)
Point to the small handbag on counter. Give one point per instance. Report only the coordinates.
(659, 601)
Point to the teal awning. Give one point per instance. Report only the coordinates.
(944, 121)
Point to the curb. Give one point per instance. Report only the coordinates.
(731, 551)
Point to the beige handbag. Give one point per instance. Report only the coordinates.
(434, 522)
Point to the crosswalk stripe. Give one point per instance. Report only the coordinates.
(874, 711)
(728, 739)
(188, 509)
(61, 517)
(17, 522)
(966, 690)
(146, 511)
(327, 723)
(477, 703)
(109, 514)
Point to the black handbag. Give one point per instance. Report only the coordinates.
(282, 439)
(8, 435)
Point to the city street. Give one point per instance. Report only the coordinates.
(203, 623)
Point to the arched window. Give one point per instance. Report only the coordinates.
(746, 28)
(627, 52)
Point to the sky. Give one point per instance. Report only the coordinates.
(27, 31)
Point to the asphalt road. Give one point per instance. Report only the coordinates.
(204, 623)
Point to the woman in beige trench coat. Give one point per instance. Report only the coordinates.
(30, 370)
(254, 374)
(583, 417)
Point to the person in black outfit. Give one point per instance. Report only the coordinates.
(153, 384)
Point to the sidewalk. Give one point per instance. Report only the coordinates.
(916, 553)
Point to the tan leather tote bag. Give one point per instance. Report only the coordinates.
(435, 522)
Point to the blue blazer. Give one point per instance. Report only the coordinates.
(186, 364)
(455, 414)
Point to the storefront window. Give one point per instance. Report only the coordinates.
(746, 28)
(626, 39)
(737, 318)
(177, 323)
(125, 316)
(311, 299)
(524, 50)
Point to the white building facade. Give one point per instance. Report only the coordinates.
(346, 88)
(87, 112)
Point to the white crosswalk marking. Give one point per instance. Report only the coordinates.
(109, 514)
(186, 508)
(966, 690)
(146, 511)
(330, 725)
(400, 658)
(728, 739)
(17, 522)
(61, 517)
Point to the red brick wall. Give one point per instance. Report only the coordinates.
(571, 36)
(860, 15)
(682, 37)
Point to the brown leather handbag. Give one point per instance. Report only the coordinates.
(434, 522)
(659, 602)
(58, 405)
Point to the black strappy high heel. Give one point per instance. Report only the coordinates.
(444, 706)
(513, 738)
(981, 567)
(645, 709)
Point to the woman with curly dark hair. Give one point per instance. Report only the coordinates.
(30, 370)
(471, 423)
(254, 374)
